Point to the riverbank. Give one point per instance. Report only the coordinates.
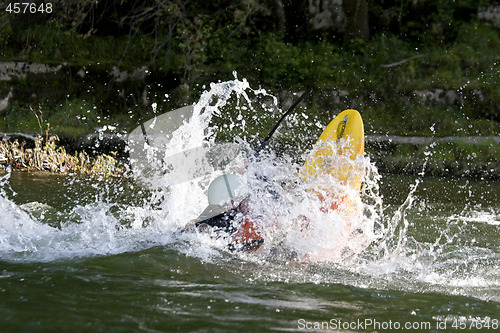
(469, 157)
(473, 157)
(423, 76)
(402, 87)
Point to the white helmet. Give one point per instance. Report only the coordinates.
(227, 188)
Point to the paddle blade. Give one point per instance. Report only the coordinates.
(151, 156)
(148, 141)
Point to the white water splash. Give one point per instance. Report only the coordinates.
(30, 233)
(382, 252)
(103, 227)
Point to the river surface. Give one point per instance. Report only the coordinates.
(97, 254)
(147, 281)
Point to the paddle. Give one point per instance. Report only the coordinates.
(189, 164)
(157, 132)
(265, 142)
(212, 216)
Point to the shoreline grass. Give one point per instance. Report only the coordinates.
(48, 156)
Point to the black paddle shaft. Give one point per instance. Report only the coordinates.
(265, 142)
(224, 221)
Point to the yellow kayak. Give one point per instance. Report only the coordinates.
(343, 136)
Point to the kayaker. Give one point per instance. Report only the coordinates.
(229, 214)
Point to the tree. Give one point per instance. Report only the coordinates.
(356, 12)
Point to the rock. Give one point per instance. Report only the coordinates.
(490, 14)
(340, 97)
(4, 102)
(451, 97)
(138, 74)
(326, 14)
(9, 70)
(436, 96)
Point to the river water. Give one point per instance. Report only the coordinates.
(94, 254)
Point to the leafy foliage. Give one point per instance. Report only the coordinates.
(196, 42)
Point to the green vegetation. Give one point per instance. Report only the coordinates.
(426, 67)
(48, 156)
(444, 158)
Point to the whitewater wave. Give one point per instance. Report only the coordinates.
(372, 247)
